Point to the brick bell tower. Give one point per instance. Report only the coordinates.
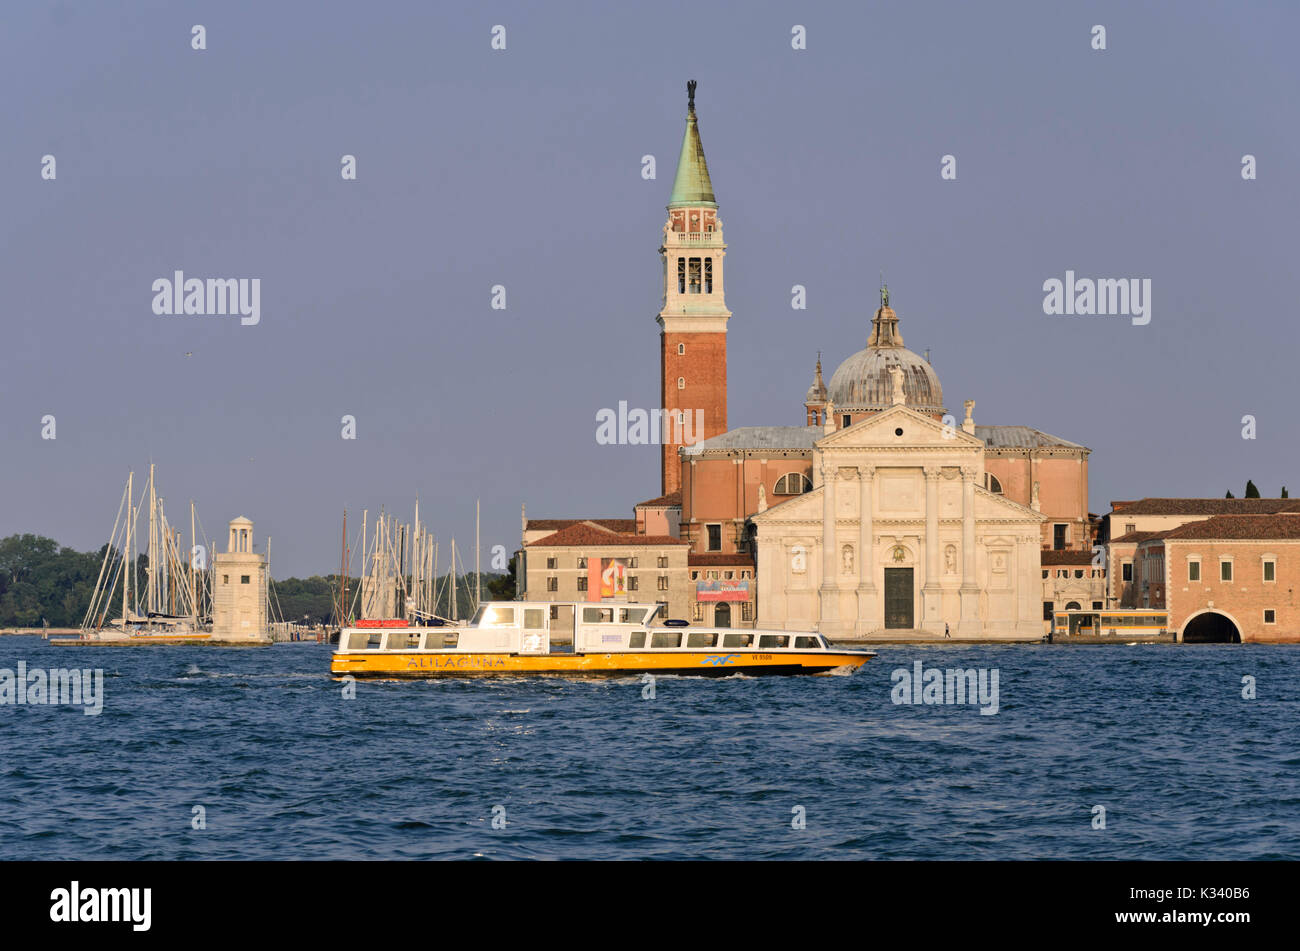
(693, 318)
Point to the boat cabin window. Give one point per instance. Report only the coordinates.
(403, 640)
(666, 639)
(534, 619)
(444, 639)
(773, 640)
(364, 640)
(597, 615)
(737, 640)
(494, 615)
(631, 615)
(807, 643)
(702, 639)
(636, 639)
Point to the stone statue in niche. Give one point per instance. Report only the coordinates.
(846, 559)
(950, 559)
(798, 559)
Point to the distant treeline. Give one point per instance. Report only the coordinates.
(43, 583)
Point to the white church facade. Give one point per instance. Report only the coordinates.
(899, 534)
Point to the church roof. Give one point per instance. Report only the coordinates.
(663, 501)
(760, 437)
(692, 186)
(1021, 437)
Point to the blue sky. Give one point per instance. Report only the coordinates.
(522, 168)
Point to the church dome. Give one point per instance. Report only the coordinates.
(863, 382)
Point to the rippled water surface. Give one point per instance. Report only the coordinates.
(285, 767)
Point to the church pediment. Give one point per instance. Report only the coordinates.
(880, 431)
(802, 508)
(990, 505)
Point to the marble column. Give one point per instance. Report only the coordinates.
(867, 601)
(932, 592)
(970, 589)
(829, 613)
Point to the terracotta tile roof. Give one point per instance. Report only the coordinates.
(1066, 557)
(591, 536)
(627, 525)
(712, 559)
(1138, 537)
(669, 500)
(1285, 525)
(1208, 506)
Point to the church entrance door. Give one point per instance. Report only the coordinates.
(898, 598)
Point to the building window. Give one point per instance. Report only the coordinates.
(552, 584)
(1130, 527)
(1193, 571)
(582, 582)
(715, 537)
(681, 275)
(681, 349)
(663, 582)
(550, 563)
(1270, 616)
(693, 276)
(1225, 571)
(792, 483)
(1270, 570)
(1096, 605)
(1062, 572)
(1128, 571)
(632, 583)
(1045, 572)
(555, 612)
(243, 579)
(695, 576)
(225, 579)
(681, 383)
(1072, 606)
(1047, 610)
(1058, 536)
(631, 562)
(582, 562)
(846, 421)
(708, 275)
(697, 612)
(663, 561)
(992, 484)
(728, 575)
(1078, 572)
(747, 610)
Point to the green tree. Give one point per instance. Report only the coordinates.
(1251, 491)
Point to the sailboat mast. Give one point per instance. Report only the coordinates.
(478, 574)
(194, 590)
(127, 565)
(454, 615)
(343, 569)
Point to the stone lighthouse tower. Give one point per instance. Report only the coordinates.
(694, 315)
(239, 589)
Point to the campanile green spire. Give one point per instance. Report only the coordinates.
(691, 186)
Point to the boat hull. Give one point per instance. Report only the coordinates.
(397, 665)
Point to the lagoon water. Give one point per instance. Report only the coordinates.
(285, 768)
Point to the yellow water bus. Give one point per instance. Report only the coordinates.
(515, 638)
